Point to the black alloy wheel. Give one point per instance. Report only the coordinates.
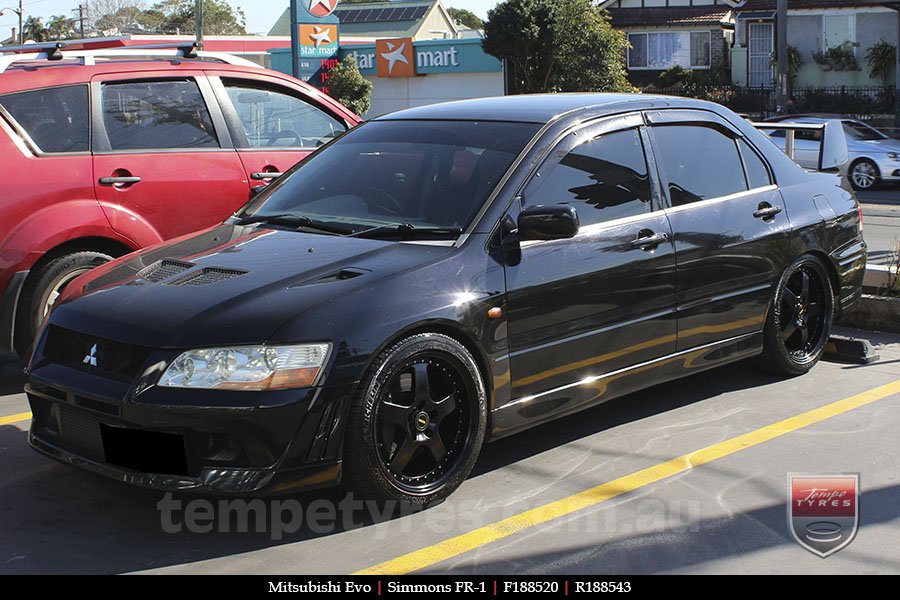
(417, 431)
(800, 317)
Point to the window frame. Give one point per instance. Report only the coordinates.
(761, 158)
(689, 33)
(233, 120)
(851, 21)
(576, 135)
(100, 144)
(708, 35)
(671, 120)
(26, 138)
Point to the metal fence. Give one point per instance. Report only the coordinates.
(867, 103)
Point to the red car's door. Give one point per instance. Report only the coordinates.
(162, 154)
(274, 123)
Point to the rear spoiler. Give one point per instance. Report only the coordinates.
(833, 152)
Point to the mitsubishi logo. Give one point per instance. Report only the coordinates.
(91, 357)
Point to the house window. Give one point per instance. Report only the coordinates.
(838, 30)
(661, 50)
(700, 42)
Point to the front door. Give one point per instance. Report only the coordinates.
(759, 56)
(160, 157)
(583, 308)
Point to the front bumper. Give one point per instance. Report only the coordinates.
(227, 442)
(888, 170)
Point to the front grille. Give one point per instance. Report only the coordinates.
(164, 269)
(78, 429)
(108, 358)
(208, 276)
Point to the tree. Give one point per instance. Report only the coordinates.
(347, 85)
(881, 59)
(219, 18)
(557, 45)
(521, 32)
(33, 29)
(59, 27)
(117, 16)
(590, 54)
(467, 18)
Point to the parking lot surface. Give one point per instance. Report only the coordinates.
(598, 492)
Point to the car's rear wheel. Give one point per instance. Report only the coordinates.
(799, 320)
(417, 425)
(47, 284)
(864, 174)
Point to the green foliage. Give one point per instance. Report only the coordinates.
(171, 17)
(838, 58)
(467, 18)
(347, 85)
(795, 62)
(882, 61)
(59, 27)
(675, 76)
(33, 29)
(557, 45)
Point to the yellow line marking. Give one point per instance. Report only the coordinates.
(15, 418)
(452, 547)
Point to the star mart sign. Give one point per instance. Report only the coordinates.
(405, 58)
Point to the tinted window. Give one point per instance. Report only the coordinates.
(757, 174)
(604, 179)
(273, 119)
(149, 115)
(698, 162)
(422, 173)
(56, 119)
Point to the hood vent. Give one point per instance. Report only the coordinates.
(164, 269)
(208, 276)
(342, 275)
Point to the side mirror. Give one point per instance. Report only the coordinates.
(548, 222)
(833, 153)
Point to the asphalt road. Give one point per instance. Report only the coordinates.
(650, 513)
(881, 223)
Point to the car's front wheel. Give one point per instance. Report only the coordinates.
(417, 424)
(864, 174)
(47, 284)
(799, 320)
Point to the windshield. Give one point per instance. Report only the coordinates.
(855, 130)
(421, 175)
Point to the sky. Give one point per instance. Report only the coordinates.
(261, 14)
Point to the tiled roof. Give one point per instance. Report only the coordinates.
(771, 4)
(672, 15)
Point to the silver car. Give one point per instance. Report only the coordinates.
(874, 156)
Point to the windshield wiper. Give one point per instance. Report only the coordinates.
(294, 221)
(405, 230)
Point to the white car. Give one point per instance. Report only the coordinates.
(874, 156)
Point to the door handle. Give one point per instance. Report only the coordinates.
(119, 180)
(264, 176)
(652, 240)
(765, 211)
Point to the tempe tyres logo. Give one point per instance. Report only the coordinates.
(823, 510)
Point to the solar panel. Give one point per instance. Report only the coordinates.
(380, 15)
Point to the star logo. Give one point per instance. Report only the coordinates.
(394, 55)
(321, 36)
(321, 8)
(395, 58)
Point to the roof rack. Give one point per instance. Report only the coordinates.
(55, 51)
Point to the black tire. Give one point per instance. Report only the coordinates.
(45, 285)
(386, 425)
(863, 174)
(799, 320)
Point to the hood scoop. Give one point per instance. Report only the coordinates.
(342, 275)
(164, 269)
(208, 276)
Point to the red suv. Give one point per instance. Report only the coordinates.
(103, 153)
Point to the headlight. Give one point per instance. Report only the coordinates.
(893, 155)
(248, 367)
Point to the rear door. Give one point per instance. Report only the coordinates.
(732, 234)
(162, 153)
(274, 126)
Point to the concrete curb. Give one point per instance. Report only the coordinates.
(874, 312)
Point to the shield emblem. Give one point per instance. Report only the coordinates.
(823, 510)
